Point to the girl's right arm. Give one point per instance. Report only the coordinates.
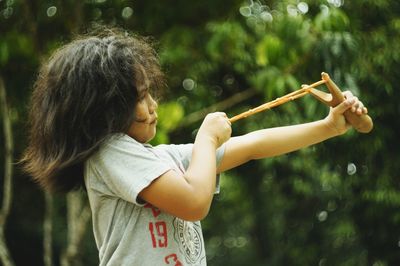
(189, 195)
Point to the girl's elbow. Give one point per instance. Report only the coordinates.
(197, 210)
(196, 216)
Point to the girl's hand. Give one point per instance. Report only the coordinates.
(216, 127)
(335, 119)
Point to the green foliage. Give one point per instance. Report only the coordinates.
(227, 45)
(331, 19)
(306, 208)
(4, 53)
(269, 50)
(169, 116)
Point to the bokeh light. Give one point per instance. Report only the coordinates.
(51, 11)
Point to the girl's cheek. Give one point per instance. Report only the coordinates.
(140, 111)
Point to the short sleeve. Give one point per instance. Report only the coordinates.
(123, 167)
(184, 153)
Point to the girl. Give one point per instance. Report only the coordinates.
(91, 115)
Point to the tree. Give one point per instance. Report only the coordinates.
(332, 204)
(5, 257)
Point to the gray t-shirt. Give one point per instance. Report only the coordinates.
(127, 231)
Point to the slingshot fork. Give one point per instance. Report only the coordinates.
(362, 123)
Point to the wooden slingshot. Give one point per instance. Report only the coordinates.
(362, 123)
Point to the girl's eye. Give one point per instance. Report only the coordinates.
(143, 97)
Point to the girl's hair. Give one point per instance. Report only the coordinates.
(85, 92)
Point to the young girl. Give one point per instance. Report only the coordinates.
(91, 115)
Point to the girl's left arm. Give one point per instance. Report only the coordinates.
(280, 140)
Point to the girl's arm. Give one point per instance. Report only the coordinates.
(276, 141)
(189, 195)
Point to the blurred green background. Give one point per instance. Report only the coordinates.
(336, 203)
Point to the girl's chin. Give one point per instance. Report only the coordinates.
(149, 137)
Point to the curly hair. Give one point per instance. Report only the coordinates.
(84, 93)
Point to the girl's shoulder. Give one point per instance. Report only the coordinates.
(118, 142)
(123, 145)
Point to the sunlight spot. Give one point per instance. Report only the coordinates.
(324, 10)
(51, 11)
(303, 7)
(251, 21)
(127, 12)
(266, 16)
(292, 10)
(188, 84)
(326, 186)
(322, 216)
(245, 11)
(182, 100)
(215, 241)
(241, 241)
(229, 242)
(256, 7)
(336, 3)
(256, 13)
(7, 13)
(351, 169)
(229, 80)
(216, 90)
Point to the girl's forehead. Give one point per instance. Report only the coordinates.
(143, 90)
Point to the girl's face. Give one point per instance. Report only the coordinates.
(143, 129)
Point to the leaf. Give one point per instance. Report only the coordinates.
(170, 114)
(269, 50)
(4, 53)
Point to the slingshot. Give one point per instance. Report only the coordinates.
(362, 123)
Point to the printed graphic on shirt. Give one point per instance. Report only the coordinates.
(188, 235)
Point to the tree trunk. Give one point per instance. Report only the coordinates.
(8, 172)
(48, 230)
(78, 217)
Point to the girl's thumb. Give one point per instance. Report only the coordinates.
(343, 106)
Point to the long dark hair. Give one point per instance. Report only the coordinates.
(84, 93)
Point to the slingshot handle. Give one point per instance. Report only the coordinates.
(362, 123)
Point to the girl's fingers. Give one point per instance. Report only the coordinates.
(348, 94)
(357, 106)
